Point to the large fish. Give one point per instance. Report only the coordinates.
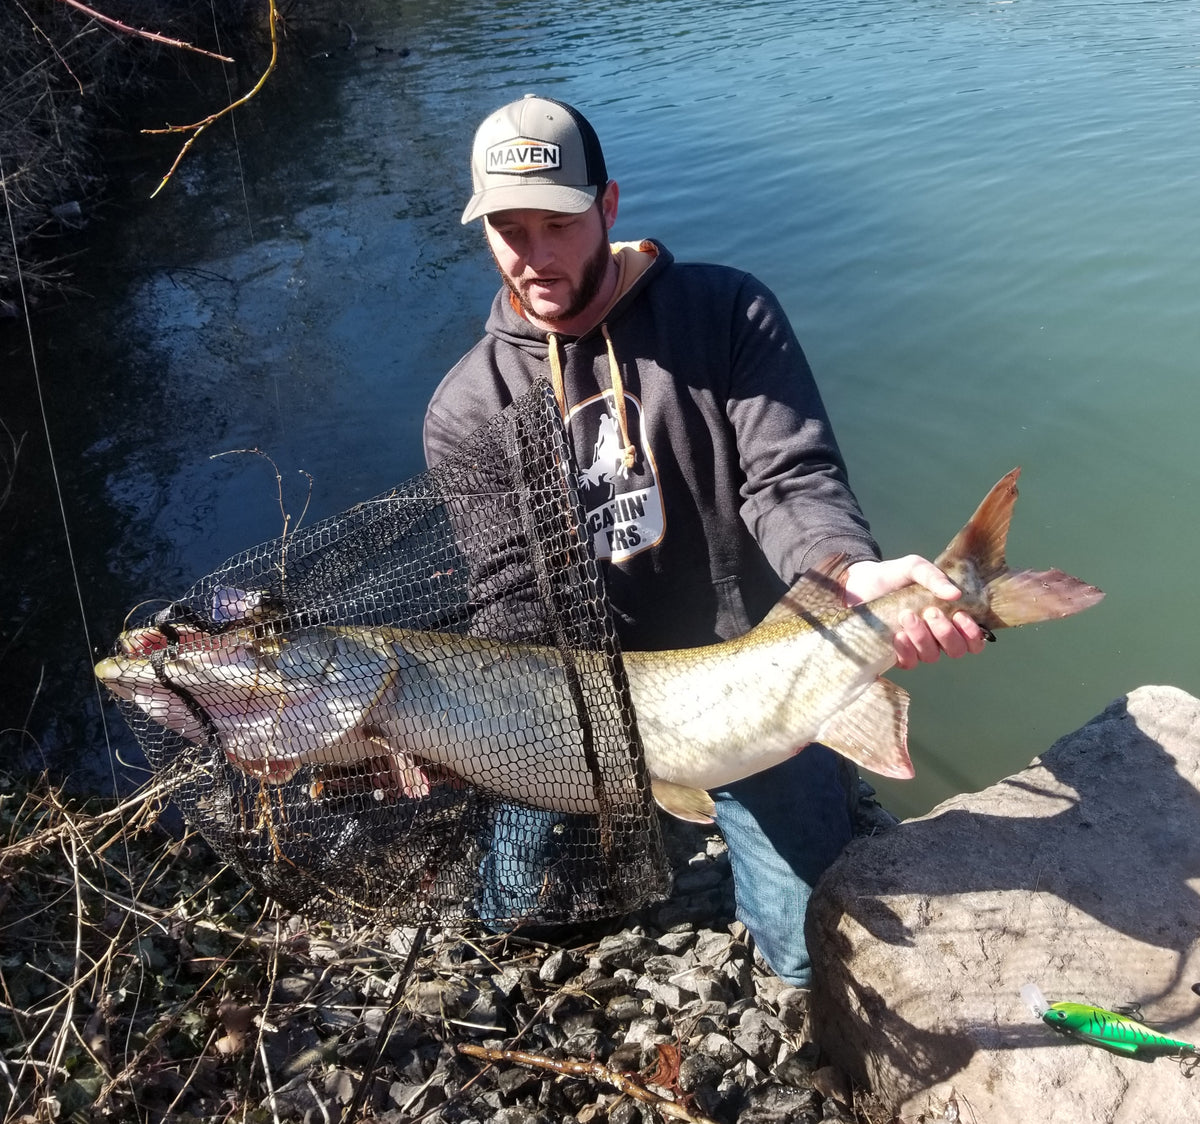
(433, 707)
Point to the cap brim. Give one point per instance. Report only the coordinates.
(533, 196)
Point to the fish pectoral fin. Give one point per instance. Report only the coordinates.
(403, 772)
(873, 731)
(691, 804)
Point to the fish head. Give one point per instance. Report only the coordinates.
(267, 697)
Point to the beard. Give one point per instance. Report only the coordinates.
(585, 292)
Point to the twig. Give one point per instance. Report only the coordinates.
(628, 1083)
(385, 1030)
(273, 975)
(198, 127)
(90, 825)
(287, 519)
(142, 33)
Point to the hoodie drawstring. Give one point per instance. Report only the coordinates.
(556, 378)
(628, 449)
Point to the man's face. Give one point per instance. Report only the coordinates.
(557, 265)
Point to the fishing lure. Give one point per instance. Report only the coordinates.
(1112, 1029)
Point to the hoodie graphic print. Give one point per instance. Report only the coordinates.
(623, 506)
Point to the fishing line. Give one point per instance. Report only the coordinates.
(58, 492)
(237, 148)
(272, 15)
(62, 508)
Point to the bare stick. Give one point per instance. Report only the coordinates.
(199, 126)
(141, 801)
(287, 519)
(628, 1083)
(141, 32)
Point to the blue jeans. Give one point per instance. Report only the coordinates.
(783, 827)
(522, 843)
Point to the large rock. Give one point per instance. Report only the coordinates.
(1080, 874)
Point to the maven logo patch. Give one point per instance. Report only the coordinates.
(522, 155)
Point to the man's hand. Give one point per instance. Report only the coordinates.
(921, 639)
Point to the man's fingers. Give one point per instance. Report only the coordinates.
(925, 638)
(925, 573)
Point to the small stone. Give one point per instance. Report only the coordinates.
(588, 1044)
(626, 1112)
(664, 966)
(770, 1104)
(713, 947)
(340, 1086)
(624, 1008)
(645, 1031)
(560, 966)
(708, 984)
(797, 1067)
(699, 1069)
(768, 987)
(721, 1049)
(623, 950)
(667, 996)
(831, 1082)
(294, 1098)
(507, 982)
(739, 974)
(758, 1036)
(792, 1003)
(678, 942)
(626, 1058)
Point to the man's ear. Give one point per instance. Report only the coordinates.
(608, 204)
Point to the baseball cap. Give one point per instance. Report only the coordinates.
(535, 152)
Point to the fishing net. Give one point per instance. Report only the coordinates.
(414, 711)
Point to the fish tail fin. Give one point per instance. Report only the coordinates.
(974, 560)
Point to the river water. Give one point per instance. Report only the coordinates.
(982, 218)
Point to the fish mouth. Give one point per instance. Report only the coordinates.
(115, 674)
(141, 643)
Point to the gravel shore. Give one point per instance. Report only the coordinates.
(142, 980)
(672, 1003)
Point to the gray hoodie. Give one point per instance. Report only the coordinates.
(735, 484)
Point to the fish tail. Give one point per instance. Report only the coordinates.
(995, 595)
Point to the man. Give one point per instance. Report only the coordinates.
(709, 471)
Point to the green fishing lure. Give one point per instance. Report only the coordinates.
(1103, 1028)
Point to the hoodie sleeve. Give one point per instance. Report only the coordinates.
(470, 395)
(796, 498)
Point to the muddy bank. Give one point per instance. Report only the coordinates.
(73, 87)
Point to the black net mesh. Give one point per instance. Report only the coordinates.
(413, 711)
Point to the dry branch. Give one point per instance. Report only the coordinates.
(629, 1084)
(141, 32)
(198, 127)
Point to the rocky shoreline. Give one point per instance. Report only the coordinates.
(675, 994)
(140, 980)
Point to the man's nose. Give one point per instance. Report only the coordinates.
(538, 252)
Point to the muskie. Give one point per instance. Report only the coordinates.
(438, 706)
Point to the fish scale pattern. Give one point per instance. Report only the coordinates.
(414, 711)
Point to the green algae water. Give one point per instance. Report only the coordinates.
(981, 216)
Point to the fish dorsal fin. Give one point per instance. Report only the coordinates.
(873, 731)
(817, 592)
(691, 804)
